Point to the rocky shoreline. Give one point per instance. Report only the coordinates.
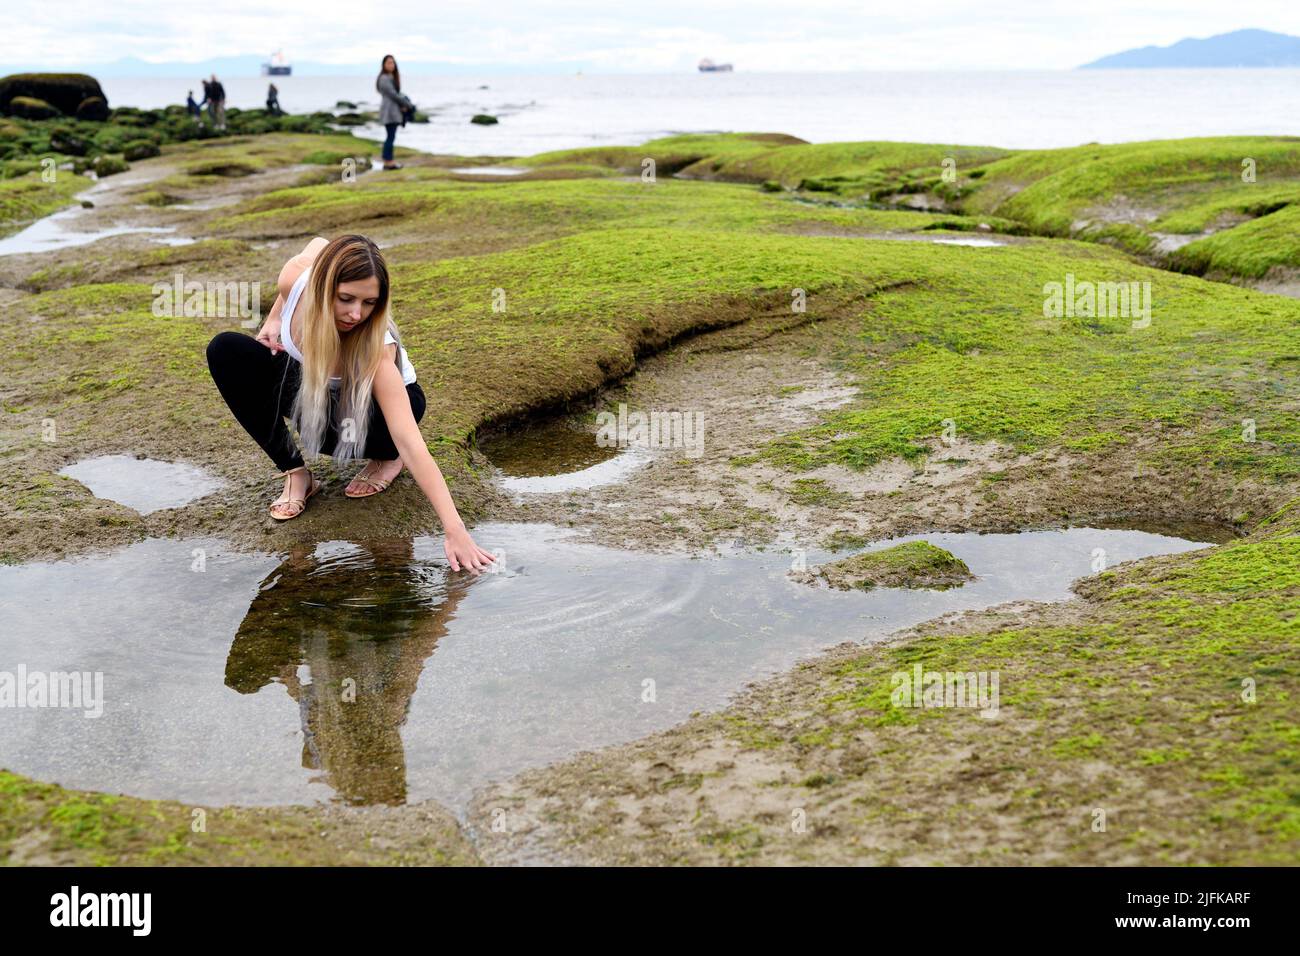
(826, 425)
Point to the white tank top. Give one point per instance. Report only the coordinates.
(286, 333)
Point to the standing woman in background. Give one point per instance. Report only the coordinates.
(217, 98)
(392, 106)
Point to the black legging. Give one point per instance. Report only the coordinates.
(260, 387)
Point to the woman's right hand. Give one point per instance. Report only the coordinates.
(269, 335)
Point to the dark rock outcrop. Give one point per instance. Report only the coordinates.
(65, 92)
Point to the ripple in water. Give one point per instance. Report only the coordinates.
(369, 673)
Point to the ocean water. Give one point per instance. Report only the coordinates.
(1026, 110)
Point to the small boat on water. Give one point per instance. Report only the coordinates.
(708, 66)
(277, 65)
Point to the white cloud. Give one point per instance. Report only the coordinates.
(659, 36)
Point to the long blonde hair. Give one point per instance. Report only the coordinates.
(358, 352)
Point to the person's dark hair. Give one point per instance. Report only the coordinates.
(397, 76)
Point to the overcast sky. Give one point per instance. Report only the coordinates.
(558, 36)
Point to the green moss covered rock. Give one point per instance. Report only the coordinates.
(109, 165)
(67, 142)
(140, 149)
(916, 564)
(133, 116)
(30, 107)
(63, 92)
(93, 109)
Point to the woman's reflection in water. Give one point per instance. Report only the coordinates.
(363, 619)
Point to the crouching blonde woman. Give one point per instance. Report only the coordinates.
(331, 360)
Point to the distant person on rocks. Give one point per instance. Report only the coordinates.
(217, 103)
(394, 107)
(273, 101)
(207, 100)
(221, 102)
(193, 108)
(210, 101)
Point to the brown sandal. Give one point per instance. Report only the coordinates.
(379, 484)
(298, 504)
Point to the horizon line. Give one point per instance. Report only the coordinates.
(498, 69)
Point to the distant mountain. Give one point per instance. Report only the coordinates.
(1248, 48)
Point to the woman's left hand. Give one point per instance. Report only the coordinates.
(462, 552)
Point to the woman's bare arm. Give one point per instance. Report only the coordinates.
(269, 333)
(296, 264)
(390, 393)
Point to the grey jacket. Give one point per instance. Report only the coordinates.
(392, 102)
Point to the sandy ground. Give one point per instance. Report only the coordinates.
(116, 203)
(753, 387)
(701, 794)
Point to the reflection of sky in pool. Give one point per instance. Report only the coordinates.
(142, 483)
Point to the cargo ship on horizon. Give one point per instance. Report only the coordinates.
(277, 65)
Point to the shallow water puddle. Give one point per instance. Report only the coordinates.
(556, 457)
(490, 170)
(55, 232)
(922, 237)
(143, 484)
(979, 243)
(973, 241)
(371, 674)
(1167, 242)
(216, 203)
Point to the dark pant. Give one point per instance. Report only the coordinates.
(260, 387)
(388, 141)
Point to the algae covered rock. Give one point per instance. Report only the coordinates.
(67, 142)
(915, 564)
(108, 166)
(140, 149)
(483, 119)
(92, 109)
(30, 107)
(63, 92)
(134, 116)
